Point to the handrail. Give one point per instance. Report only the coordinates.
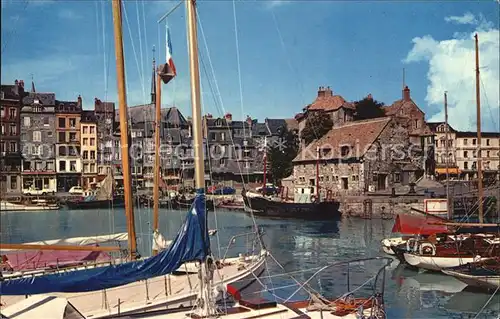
(233, 238)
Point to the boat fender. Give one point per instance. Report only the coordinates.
(477, 258)
(408, 244)
(427, 249)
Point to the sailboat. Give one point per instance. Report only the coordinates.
(103, 198)
(481, 274)
(126, 282)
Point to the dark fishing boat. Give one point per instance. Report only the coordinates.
(103, 198)
(263, 206)
(183, 203)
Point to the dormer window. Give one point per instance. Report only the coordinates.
(345, 150)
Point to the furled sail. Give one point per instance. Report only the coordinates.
(79, 241)
(105, 192)
(191, 243)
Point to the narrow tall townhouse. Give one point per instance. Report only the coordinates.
(10, 154)
(105, 116)
(38, 141)
(88, 140)
(68, 156)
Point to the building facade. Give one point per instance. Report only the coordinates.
(334, 106)
(105, 117)
(407, 114)
(10, 152)
(38, 141)
(355, 158)
(467, 155)
(445, 150)
(88, 140)
(68, 148)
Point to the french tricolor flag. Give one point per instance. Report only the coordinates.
(167, 70)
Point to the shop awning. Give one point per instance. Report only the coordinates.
(418, 225)
(451, 170)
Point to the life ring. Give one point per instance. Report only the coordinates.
(427, 249)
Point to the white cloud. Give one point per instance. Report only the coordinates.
(452, 68)
(467, 18)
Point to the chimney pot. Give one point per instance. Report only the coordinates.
(16, 82)
(406, 94)
(369, 97)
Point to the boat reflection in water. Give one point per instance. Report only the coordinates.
(424, 290)
(468, 301)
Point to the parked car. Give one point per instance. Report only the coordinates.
(270, 189)
(76, 190)
(37, 191)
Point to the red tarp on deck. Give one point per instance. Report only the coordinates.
(418, 225)
(31, 260)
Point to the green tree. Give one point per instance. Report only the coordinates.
(368, 108)
(317, 125)
(281, 152)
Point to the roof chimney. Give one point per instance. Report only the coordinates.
(321, 91)
(406, 94)
(369, 97)
(228, 117)
(79, 103)
(21, 84)
(249, 120)
(16, 82)
(209, 116)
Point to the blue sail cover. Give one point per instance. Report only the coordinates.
(191, 243)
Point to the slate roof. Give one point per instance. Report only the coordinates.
(43, 98)
(11, 92)
(103, 107)
(67, 107)
(474, 134)
(146, 113)
(359, 135)
(88, 117)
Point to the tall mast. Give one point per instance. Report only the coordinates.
(122, 102)
(194, 73)
(478, 120)
(156, 177)
(450, 215)
(205, 298)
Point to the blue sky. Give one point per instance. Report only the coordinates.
(286, 49)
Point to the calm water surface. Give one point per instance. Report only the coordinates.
(298, 246)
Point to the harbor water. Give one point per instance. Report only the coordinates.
(300, 247)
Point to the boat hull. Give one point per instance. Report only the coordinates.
(261, 206)
(388, 243)
(96, 204)
(483, 282)
(436, 263)
(12, 207)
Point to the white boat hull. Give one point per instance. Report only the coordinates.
(388, 242)
(12, 207)
(153, 293)
(486, 282)
(436, 263)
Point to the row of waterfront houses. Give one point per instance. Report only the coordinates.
(54, 145)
